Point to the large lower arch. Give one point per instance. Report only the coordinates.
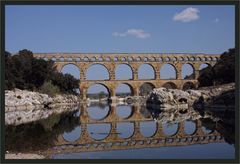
(97, 72)
(146, 71)
(98, 91)
(168, 71)
(188, 71)
(145, 89)
(123, 72)
(169, 85)
(123, 90)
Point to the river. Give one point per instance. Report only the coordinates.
(123, 131)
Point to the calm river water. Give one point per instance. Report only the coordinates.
(107, 131)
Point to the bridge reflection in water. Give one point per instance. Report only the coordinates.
(109, 126)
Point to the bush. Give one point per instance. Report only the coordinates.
(49, 88)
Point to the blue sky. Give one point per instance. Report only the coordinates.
(132, 29)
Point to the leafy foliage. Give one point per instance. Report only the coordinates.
(221, 73)
(49, 88)
(23, 71)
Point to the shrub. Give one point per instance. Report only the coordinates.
(49, 88)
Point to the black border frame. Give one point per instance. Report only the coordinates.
(120, 2)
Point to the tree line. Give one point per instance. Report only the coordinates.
(222, 72)
(23, 71)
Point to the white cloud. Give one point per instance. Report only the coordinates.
(216, 20)
(187, 15)
(138, 33)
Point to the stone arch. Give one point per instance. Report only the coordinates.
(124, 111)
(115, 59)
(160, 59)
(188, 71)
(68, 137)
(98, 112)
(72, 69)
(122, 128)
(146, 88)
(130, 59)
(215, 59)
(204, 65)
(190, 127)
(145, 131)
(168, 71)
(174, 58)
(70, 59)
(126, 84)
(138, 59)
(93, 59)
(101, 128)
(85, 58)
(106, 87)
(53, 59)
(123, 59)
(77, 59)
(107, 59)
(123, 73)
(188, 85)
(167, 59)
(65, 64)
(186, 58)
(170, 85)
(61, 59)
(151, 72)
(170, 129)
(102, 77)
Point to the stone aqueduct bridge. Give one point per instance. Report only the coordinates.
(110, 61)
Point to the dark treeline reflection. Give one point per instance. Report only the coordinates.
(39, 135)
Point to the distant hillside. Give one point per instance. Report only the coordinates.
(221, 73)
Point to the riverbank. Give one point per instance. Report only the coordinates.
(22, 106)
(23, 156)
(213, 96)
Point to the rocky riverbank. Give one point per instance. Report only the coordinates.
(23, 106)
(23, 156)
(206, 97)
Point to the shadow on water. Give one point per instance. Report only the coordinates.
(39, 135)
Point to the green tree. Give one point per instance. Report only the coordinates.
(49, 88)
(221, 73)
(23, 71)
